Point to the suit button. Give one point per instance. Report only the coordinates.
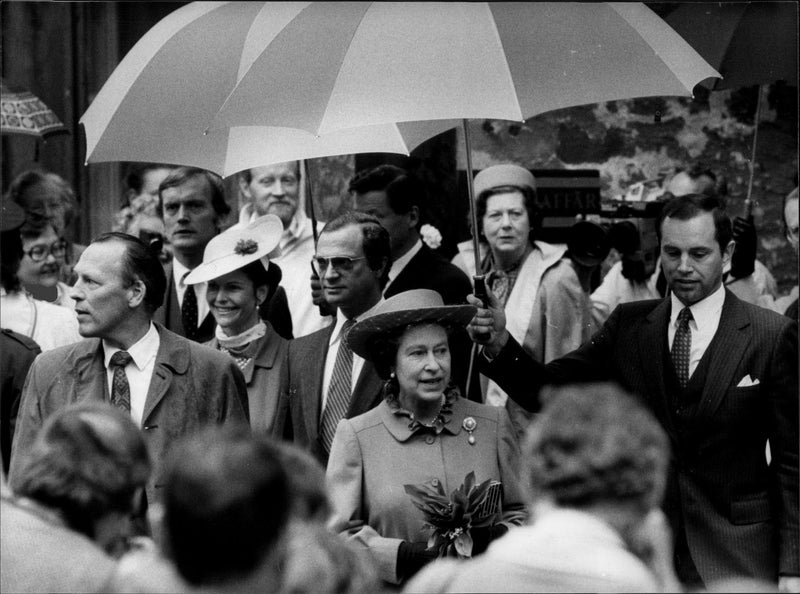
(430, 439)
(435, 482)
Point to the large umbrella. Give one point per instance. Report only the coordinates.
(749, 43)
(325, 67)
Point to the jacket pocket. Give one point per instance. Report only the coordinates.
(750, 511)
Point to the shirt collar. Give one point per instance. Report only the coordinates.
(398, 425)
(341, 319)
(402, 261)
(141, 352)
(178, 272)
(704, 311)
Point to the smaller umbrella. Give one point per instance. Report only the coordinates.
(749, 43)
(22, 112)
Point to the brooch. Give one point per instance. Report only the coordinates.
(469, 425)
(245, 247)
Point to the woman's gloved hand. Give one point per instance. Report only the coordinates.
(743, 261)
(411, 557)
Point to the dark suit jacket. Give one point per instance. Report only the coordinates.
(192, 385)
(429, 270)
(740, 515)
(301, 384)
(274, 310)
(17, 352)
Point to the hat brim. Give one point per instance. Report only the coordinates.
(360, 337)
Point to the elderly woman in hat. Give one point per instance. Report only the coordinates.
(543, 289)
(423, 433)
(236, 264)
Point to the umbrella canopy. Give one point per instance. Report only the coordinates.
(325, 67)
(749, 43)
(22, 112)
(370, 63)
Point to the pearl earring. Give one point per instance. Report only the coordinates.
(391, 375)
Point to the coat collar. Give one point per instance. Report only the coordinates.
(397, 425)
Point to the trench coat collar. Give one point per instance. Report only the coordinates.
(397, 425)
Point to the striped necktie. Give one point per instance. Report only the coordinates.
(339, 390)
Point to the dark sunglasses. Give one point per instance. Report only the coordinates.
(338, 263)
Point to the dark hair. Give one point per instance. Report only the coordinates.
(134, 178)
(31, 177)
(89, 459)
(375, 240)
(262, 277)
(689, 206)
(306, 482)
(183, 174)
(594, 443)
(385, 344)
(10, 257)
(141, 262)
(403, 190)
(528, 199)
(226, 503)
(247, 174)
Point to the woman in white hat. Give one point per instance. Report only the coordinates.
(236, 265)
(422, 432)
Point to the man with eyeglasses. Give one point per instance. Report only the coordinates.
(322, 380)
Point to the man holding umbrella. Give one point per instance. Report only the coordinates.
(720, 375)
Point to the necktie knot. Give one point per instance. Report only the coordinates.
(685, 316)
(120, 359)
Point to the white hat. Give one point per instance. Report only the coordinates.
(238, 247)
(503, 175)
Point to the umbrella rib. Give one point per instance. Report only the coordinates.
(508, 68)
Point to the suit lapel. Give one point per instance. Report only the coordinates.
(652, 343)
(367, 391)
(405, 280)
(172, 359)
(90, 373)
(730, 341)
(315, 349)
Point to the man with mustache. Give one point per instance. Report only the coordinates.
(275, 189)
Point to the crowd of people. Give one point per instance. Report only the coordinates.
(280, 407)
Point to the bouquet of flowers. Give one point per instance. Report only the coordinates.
(450, 519)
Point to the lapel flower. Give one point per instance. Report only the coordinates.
(431, 236)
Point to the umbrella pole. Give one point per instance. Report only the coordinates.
(479, 279)
(748, 202)
(310, 200)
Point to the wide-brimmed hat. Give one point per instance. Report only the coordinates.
(503, 175)
(238, 247)
(409, 307)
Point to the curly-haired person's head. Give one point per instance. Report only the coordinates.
(593, 444)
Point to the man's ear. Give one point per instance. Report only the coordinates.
(413, 217)
(244, 187)
(136, 294)
(728, 253)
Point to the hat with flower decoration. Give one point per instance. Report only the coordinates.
(409, 307)
(239, 246)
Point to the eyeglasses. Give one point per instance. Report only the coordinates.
(339, 263)
(39, 252)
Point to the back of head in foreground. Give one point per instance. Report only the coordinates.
(225, 509)
(90, 464)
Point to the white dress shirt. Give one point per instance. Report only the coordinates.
(402, 262)
(139, 371)
(178, 272)
(705, 321)
(333, 351)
